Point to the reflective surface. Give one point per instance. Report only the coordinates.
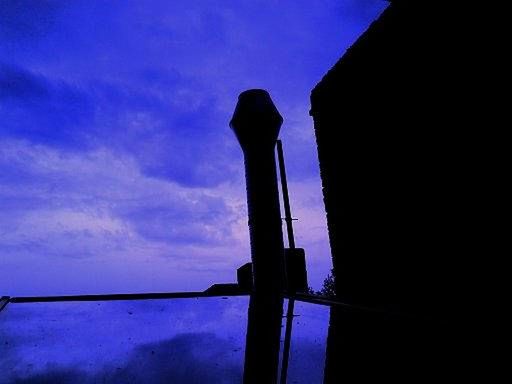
(179, 340)
(199, 340)
(308, 343)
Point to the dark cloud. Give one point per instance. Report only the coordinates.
(35, 108)
(21, 85)
(111, 81)
(27, 19)
(172, 138)
(206, 221)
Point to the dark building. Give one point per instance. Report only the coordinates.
(401, 179)
(407, 187)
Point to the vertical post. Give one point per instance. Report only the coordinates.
(256, 123)
(286, 199)
(291, 244)
(4, 300)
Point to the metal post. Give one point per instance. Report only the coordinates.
(291, 244)
(286, 199)
(256, 123)
(4, 300)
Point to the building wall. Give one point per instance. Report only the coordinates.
(398, 165)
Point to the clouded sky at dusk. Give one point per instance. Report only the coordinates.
(118, 171)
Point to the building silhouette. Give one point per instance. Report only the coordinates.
(406, 183)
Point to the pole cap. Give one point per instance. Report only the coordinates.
(256, 120)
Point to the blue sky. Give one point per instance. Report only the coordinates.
(118, 172)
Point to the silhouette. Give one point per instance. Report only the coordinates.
(405, 199)
(3, 302)
(295, 263)
(256, 123)
(328, 287)
(403, 192)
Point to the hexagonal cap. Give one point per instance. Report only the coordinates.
(256, 120)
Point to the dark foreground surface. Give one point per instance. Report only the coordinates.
(181, 340)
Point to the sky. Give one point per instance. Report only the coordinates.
(118, 170)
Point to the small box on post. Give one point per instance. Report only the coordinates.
(296, 273)
(244, 277)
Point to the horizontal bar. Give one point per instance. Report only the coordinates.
(313, 299)
(4, 300)
(121, 296)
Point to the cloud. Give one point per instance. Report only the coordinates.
(114, 139)
(160, 82)
(170, 137)
(33, 107)
(102, 193)
(18, 84)
(27, 19)
(206, 221)
(99, 207)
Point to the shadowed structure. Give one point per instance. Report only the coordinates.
(405, 193)
(256, 123)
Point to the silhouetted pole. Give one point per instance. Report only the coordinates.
(291, 244)
(286, 199)
(256, 123)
